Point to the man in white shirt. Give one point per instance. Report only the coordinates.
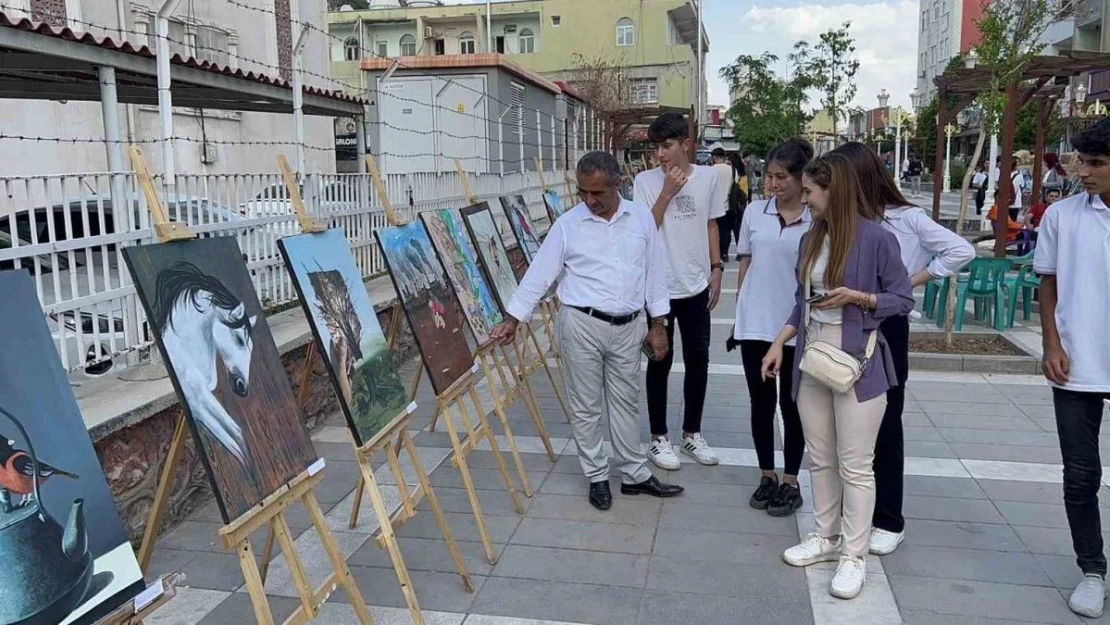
(728, 223)
(609, 253)
(1073, 259)
(1017, 185)
(686, 202)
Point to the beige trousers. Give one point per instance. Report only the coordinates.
(840, 433)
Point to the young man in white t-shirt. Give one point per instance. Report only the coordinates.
(686, 201)
(1073, 259)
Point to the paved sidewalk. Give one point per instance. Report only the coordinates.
(986, 532)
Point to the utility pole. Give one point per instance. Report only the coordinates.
(700, 71)
(489, 27)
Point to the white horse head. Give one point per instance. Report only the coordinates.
(232, 337)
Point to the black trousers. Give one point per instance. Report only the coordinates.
(1078, 421)
(765, 395)
(890, 453)
(980, 198)
(691, 315)
(728, 228)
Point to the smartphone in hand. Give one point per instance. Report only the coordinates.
(817, 298)
(646, 348)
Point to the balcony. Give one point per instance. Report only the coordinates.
(1088, 13)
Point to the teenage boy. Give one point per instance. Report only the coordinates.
(686, 201)
(1073, 259)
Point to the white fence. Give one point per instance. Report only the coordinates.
(67, 233)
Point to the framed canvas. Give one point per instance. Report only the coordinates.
(516, 210)
(456, 252)
(348, 335)
(554, 205)
(428, 301)
(66, 557)
(226, 368)
(491, 251)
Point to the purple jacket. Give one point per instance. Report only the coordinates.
(874, 266)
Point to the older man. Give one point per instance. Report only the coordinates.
(610, 252)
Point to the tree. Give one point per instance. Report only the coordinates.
(1025, 132)
(830, 66)
(766, 107)
(605, 85)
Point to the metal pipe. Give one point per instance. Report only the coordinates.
(700, 72)
(165, 98)
(298, 97)
(489, 27)
(109, 107)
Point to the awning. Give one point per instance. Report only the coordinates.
(685, 20)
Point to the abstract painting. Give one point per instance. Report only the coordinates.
(455, 250)
(66, 557)
(347, 331)
(516, 210)
(553, 204)
(491, 251)
(428, 301)
(225, 366)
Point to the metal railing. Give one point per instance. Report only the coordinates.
(65, 230)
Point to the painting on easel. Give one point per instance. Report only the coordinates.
(516, 210)
(347, 331)
(429, 304)
(491, 251)
(461, 261)
(66, 557)
(225, 366)
(554, 205)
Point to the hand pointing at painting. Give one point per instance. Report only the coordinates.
(505, 331)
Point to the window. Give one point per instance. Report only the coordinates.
(527, 41)
(626, 32)
(924, 20)
(466, 43)
(408, 45)
(500, 44)
(441, 47)
(383, 49)
(351, 51)
(644, 91)
(516, 102)
(178, 43)
(212, 46)
(556, 21)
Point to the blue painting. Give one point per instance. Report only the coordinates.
(461, 261)
(516, 210)
(554, 205)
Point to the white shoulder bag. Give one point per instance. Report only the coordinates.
(829, 364)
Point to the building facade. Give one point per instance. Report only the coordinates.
(653, 41)
(946, 29)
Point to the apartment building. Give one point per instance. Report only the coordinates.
(946, 29)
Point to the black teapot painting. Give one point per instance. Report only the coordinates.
(48, 569)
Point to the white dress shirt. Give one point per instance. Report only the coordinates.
(616, 266)
(925, 243)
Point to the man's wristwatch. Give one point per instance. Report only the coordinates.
(662, 321)
(720, 266)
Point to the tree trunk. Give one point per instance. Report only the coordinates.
(950, 304)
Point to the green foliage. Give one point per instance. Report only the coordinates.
(767, 108)
(958, 168)
(1025, 130)
(830, 66)
(927, 128)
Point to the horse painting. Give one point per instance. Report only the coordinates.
(203, 321)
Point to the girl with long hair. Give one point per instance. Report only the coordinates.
(928, 250)
(850, 277)
(1055, 176)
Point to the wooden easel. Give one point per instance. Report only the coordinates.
(271, 511)
(146, 603)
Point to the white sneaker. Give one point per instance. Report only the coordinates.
(812, 550)
(662, 454)
(883, 543)
(696, 447)
(1088, 597)
(848, 580)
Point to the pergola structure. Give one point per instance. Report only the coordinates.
(1043, 81)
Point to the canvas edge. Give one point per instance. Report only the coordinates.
(451, 283)
(482, 259)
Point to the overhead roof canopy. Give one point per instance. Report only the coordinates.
(38, 62)
(1067, 63)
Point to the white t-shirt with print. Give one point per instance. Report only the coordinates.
(1074, 245)
(684, 230)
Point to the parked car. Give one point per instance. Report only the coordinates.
(274, 199)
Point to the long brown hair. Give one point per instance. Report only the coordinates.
(877, 184)
(834, 173)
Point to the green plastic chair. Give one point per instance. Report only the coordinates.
(1021, 284)
(933, 289)
(985, 287)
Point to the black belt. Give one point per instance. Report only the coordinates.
(617, 320)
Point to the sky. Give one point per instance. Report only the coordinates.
(885, 33)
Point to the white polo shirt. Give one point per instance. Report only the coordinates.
(684, 232)
(766, 298)
(1074, 245)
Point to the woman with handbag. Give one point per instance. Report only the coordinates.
(929, 251)
(850, 277)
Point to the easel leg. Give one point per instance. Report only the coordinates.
(468, 484)
(547, 369)
(267, 552)
(254, 584)
(390, 539)
(528, 394)
(296, 568)
(306, 374)
(162, 494)
(499, 410)
(343, 574)
(493, 445)
(357, 503)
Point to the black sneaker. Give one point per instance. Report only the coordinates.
(762, 496)
(785, 501)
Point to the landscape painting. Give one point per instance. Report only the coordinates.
(457, 254)
(516, 210)
(428, 302)
(219, 352)
(491, 251)
(341, 314)
(553, 204)
(66, 557)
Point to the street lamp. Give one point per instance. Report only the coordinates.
(884, 97)
(972, 59)
(949, 130)
(915, 98)
(897, 119)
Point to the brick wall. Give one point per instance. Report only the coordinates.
(283, 19)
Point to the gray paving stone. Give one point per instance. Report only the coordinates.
(448, 476)
(737, 423)
(669, 608)
(479, 459)
(435, 591)
(567, 565)
(680, 515)
(1024, 395)
(916, 617)
(718, 494)
(1000, 437)
(951, 509)
(963, 535)
(237, 610)
(774, 582)
(607, 537)
(463, 526)
(929, 449)
(1007, 453)
(981, 599)
(970, 409)
(558, 601)
(686, 544)
(927, 486)
(1038, 411)
(1034, 514)
(922, 433)
(944, 392)
(1046, 425)
(214, 571)
(950, 563)
(720, 474)
(1032, 492)
(916, 419)
(943, 420)
(1050, 540)
(1062, 570)
(638, 510)
(193, 536)
(425, 554)
(456, 500)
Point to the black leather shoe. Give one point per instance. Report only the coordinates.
(652, 486)
(600, 496)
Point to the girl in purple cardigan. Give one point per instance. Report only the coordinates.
(856, 279)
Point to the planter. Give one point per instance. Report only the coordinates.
(973, 352)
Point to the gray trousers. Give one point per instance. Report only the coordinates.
(601, 368)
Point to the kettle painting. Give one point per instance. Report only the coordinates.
(48, 569)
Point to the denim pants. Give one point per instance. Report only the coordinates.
(1078, 420)
(691, 315)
